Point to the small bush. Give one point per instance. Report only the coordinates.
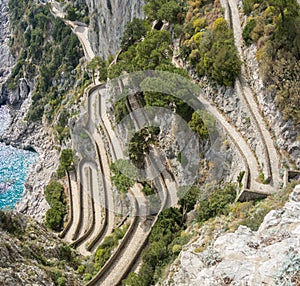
(217, 203)
(247, 31)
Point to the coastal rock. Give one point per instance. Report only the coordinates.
(269, 256)
(24, 135)
(35, 137)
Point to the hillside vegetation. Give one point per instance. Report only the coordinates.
(274, 26)
(31, 255)
(47, 53)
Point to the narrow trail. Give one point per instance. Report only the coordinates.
(272, 159)
(86, 196)
(124, 257)
(72, 195)
(128, 249)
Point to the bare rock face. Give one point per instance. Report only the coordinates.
(107, 21)
(269, 256)
(6, 59)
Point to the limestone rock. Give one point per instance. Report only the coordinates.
(269, 256)
(108, 20)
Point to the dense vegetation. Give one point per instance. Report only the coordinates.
(140, 144)
(217, 203)
(47, 51)
(165, 244)
(208, 43)
(123, 181)
(55, 196)
(167, 10)
(274, 27)
(77, 12)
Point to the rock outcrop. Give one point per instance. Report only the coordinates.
(269, 256)
(21, 134)
(107, 22)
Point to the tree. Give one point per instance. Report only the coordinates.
(197, 125)
(140, 144)
(154, 50)
(188, 199)
(284, 6)
(122, 181)
(99, 65)
(55, 216)
(169, 11)
(134, 31)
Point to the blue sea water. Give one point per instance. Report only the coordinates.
(14, 164)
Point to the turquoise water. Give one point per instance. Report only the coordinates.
(14, 164)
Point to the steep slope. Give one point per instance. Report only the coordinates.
(6, 59)
(107, 22)
(31, 255)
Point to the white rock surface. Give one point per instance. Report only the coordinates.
(270, 256)
(108, 20)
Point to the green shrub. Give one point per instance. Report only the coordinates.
(213, 52)
(147, 190)
(123, 181)
(140, 144)
(247, 31)
(169, 10)
(11, 223)
(134, 32)
(197, 125)
(54, 194)
(159, 252)
(66, 162)
(217, 203)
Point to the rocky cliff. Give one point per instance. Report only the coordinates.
(21, 133)
(269, 256)
(107, 21)
(6, 59)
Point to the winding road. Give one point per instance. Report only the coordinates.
(92, 210)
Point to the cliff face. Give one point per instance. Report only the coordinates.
(6, 59)
(107, 21)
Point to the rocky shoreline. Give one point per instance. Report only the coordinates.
(36, 138)
(21, 134)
